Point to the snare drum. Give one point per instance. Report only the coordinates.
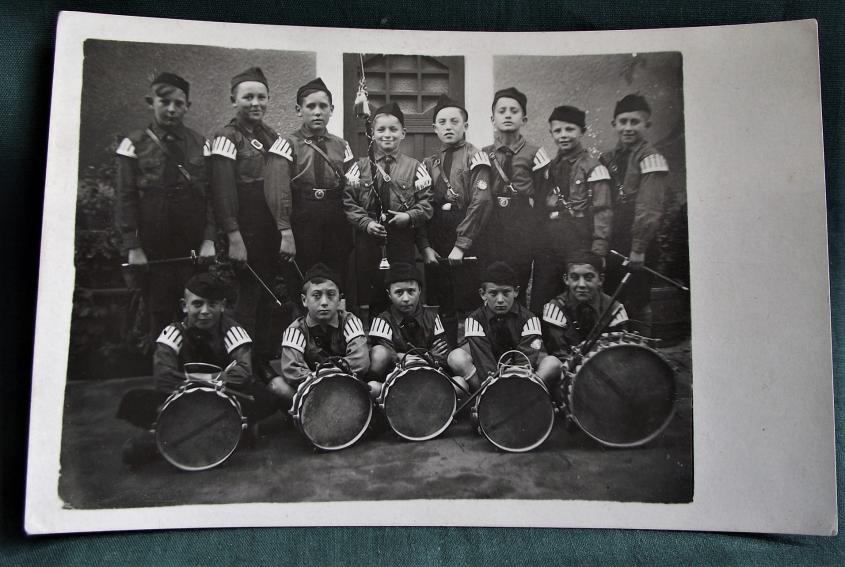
(332, 409)
(622, 392)
(198, 427)
(418, 400)
(514, 410)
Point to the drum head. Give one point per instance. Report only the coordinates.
(624, 395)
(516, 414)
(336, 412)
(198, 429)
(420, 403)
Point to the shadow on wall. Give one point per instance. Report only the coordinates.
(116, 78)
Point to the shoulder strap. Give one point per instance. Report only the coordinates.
(168, 154)
(320, 151)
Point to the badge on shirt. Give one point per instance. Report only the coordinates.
(504, 201)
(481, 185)
(536, 344)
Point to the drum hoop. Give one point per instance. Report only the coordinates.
(492, 380)
(573, 379)
(306, 387)
(178, 394)
(392, 379)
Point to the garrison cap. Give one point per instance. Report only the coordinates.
(320, 271)
(317, 85)
(569, 114)
(499, 273)
(631, 103)
(512, 92)
(445, 102)
(251, 74)
(402, 272)
(174, 81)
(207, 286)
(586, 257)
(393, 109)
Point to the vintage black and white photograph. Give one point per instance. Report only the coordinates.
(341, 275)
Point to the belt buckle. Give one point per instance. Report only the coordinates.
(319, 194)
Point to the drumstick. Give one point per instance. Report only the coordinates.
(594, 333)
(264, 285)
(653, 272)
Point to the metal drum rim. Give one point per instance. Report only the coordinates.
(542, 439)
(319, 378)
(386, 391)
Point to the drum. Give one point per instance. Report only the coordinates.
(622, 392)
(332, 409)
(198, 427)
(418, 400)
(514, 410)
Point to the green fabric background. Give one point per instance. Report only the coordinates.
(27, 38)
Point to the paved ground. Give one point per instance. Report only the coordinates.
(283, 467)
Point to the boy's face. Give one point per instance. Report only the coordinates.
(200, 312)
(449, 125)
(566, 135)
(499, 298)
(321, 300)
(388, 132)
(405, 296)
(169, 107)
(250, 101)
(584, 282)
(315, 111)
(508, 115)
(631, 126)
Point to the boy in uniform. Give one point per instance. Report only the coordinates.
(392, 204)
(639, 175)
(325, 331)
(406, 325)
(206, 334)
(163, 204)
(577, 211)
(517, 173)
(500, 325)
(247, 157)
(312, 178)
(461, 205)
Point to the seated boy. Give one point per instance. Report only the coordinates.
(500, 325)
(569, 317)
(208, 335)
(326, 331)
(405, 325)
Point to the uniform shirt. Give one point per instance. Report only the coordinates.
(144, 173)
(580, 186)
(400, 333)
(307, 344)
(243, 160)
(489, 336)
(409, 191)
(527, 175)
(566, 322)
(178, 344)
(639, 175)
(464, 192)
(304, 169)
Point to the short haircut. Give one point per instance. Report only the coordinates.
(317, 280)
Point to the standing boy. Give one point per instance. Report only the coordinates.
(391, 205)
(577, 209)
(163, 207)
(639, 175)
(461, 205)
(517, 171)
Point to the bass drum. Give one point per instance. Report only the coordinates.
(514, 410)
(621, 393)
(418, 401)
(332, 409)
(198, 427)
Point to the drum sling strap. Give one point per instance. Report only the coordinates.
(311, 144)
(169, 154)
(508, 183)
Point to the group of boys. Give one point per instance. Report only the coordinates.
(300, 197)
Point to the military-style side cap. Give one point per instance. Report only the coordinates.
(174, 81)
(512, 92)
(586, 257)
(207, 286)
(402, 272)
(391, 108)
(321, 271)
(317, 85)
(569, 114)
(445, 102)
(251, 74)
(500, 273)
(631, 103)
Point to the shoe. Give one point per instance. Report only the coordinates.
(139, 450)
